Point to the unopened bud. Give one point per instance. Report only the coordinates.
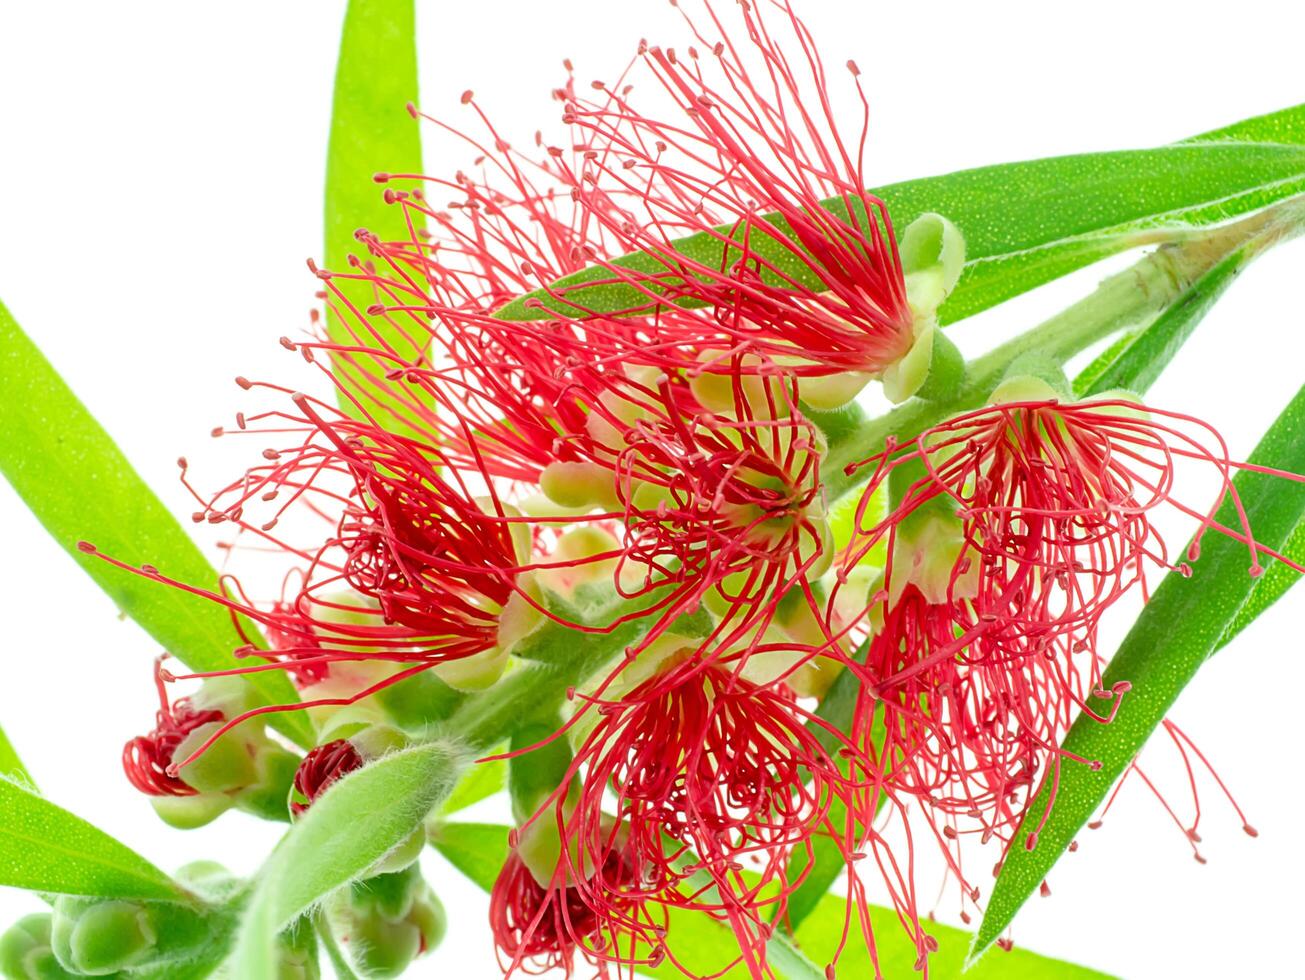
(94, 937)
(296, 953)
(189, 812)
(578, 485)
(25, 952)
(387, 921)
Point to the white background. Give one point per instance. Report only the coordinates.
(160, 187)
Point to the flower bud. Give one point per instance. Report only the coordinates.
(95, 937)
(1032, 378)
(296, 953)
(25, 952)
(833, 391)
(189, 812)
(387, 921)
(578, 485)
(575, 582)
(927, 543)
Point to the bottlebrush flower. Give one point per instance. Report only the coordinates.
(542, 927)
(715, 780)
(148, 759)
(1015, 527)
(806, 272)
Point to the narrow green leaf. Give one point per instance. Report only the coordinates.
(80, 486)
(10, 764)
(1269, 587)
(1177, 631)
(826, 860)
(820, 934)
(345, 832)
(371, 131)
(478, 850)
(1057, 215)
(1285, 126)
(483, 780)
(45, 848)
(1136, 361)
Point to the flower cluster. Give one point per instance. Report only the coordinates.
(538, 435)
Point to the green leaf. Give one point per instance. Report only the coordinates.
(371, 131)
(1269, 587)
(478, 850)
(347, 830)
(1136, 361)
(1286, 126)
(820, 934)
(1024, 223)
(483, 780)
(10, 764)
(45, 848)
(1177, 631)
(80, 486)
(826, 858)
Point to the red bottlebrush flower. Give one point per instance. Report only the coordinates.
(147, 759)
(418, 568)
(753, 159)
(540, 928)
(1056, 506)
(321, 767)
(715, 781)
(985, 658)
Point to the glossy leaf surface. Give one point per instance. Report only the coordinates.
(371, 131)
(45, 848)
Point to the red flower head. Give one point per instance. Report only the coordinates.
(793, 261)
(715, 780)
(148, 759)
(321, 767)
(540, 928)
(1016, 527)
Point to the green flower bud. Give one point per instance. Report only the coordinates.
(387, 921)
(578, 485)
(25, 952)
(1032, 378)
(189, 812)
(274, 773)
(296, 953)
(209, 880)
(403, 855)
(95, 937)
